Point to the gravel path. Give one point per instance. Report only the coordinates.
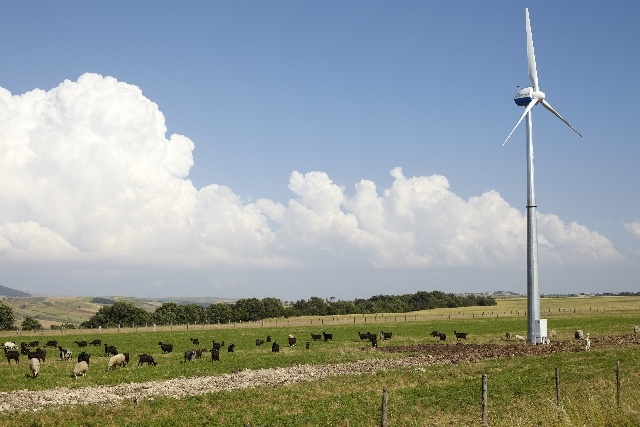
(24, 400)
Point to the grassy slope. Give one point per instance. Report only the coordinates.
(57, 310)
(522, 390)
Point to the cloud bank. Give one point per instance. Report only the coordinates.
(87, 173)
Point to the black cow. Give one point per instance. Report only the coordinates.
(40, 354)
(12, 355)
(189, 355)
(110, 349)
(145, 358)
(84, 357)
(166, 348)
(215, 354)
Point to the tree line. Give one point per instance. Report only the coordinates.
(123, 313)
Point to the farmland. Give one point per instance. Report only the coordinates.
(429, 382)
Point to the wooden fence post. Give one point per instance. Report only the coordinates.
(485, 417)
(618, 384)
(385, 401)
(557, 387)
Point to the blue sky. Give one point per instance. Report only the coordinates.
(324, 149)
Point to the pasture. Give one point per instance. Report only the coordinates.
(521, 389)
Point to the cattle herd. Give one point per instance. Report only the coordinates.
(121, 359)
(36, 354)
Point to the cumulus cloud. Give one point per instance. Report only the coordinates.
(633, 228)
(88, 172)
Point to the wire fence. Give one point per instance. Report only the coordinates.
(351, 319)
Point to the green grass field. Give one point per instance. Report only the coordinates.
(521, 389)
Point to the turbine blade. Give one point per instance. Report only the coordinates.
(526, 110)
(550, 108)
(531, 57)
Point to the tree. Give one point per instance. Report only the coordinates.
(31, 324)
(120, 313)
(248, 309)
(168, 313)
(273, 307)
(194, 313)
(220, 313)
(7, 318)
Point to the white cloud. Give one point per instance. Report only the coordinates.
(633, 228)
(87, 171)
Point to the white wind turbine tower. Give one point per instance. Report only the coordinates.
(530, 96)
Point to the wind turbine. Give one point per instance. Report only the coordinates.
(528, 97)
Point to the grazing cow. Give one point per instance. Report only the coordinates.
(39, 354)
(460, 335)
(96, 342)
(189, 355)
(215, 354)
(12, 355)
(80, 369)
(65, 353)
(327, 336)
(34, 366)
(110, 349)
(115, 361)
(81, 343)
(166, 348)
(363, 337)
(145, 358)
(292, 340)
(275, 348)
(231, 348)
(316, 337)
(84, 357)
(385, 335)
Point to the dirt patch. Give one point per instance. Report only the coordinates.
(463, 352)
(419, 356)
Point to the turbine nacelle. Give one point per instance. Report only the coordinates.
(530, 96)
(526, 95)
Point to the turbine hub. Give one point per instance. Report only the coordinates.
(526, 95)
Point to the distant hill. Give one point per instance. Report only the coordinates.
(8, 292)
